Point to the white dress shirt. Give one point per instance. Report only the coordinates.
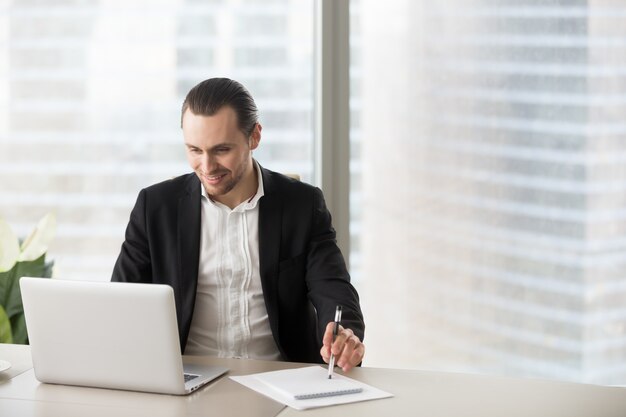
(230, 319)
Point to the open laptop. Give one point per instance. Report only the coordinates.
(108, 335)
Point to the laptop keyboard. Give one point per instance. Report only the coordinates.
(189, 377)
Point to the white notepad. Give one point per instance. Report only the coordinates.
(313, 382)
(309, 387)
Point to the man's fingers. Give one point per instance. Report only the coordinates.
(327, 341)
(355, 359)
(342, 336)
(325, 353)
(328, 334)
(347, 347)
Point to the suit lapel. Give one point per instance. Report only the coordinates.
(188, 237)
(270, 215)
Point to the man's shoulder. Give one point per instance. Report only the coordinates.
(180, 185)
(275, 182)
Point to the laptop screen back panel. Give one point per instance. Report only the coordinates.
(108, 335)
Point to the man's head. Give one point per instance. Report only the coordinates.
(220, 127)
(209, 96)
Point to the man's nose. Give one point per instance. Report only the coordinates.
(208, 163)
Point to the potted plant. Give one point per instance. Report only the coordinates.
(17, 260)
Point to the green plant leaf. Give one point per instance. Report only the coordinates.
(5, 327)
(31, 262)
(18, 326)
(13, 300)
(7, 279)
(11, 297)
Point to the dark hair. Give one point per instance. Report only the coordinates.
(209, 96)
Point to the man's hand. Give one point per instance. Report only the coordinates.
(347, 348)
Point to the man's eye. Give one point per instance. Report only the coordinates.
(195, 150)
(222, 150)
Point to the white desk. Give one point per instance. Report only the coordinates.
(417, 393)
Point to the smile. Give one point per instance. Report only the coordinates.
(213, 179)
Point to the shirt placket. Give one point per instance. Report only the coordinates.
(235, 296)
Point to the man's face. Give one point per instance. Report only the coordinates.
(220, 153)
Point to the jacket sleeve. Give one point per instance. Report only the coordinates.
(133, 263)
(327, 277)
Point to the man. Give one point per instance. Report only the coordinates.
(251, 254)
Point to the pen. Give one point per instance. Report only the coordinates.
(331, 363)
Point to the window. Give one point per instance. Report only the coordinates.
(492, 195)
(90, 97)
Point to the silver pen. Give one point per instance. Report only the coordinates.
(331, 363)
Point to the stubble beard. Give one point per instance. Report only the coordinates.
(228, 186)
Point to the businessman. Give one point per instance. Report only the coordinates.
(251, 254)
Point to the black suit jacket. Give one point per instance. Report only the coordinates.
(303, 273)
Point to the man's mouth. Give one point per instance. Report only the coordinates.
(214, 178)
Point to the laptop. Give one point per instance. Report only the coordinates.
(108, 335)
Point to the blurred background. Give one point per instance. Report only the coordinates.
(487, 227)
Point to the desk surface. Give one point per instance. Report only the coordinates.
(417, 393)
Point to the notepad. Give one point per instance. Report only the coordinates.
(311, 383)
(309, 387)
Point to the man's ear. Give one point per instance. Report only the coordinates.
(255, 136)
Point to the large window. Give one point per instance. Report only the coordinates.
(488, 190)
(90, 97)
(493, 189)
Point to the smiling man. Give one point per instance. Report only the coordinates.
(251, 254)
